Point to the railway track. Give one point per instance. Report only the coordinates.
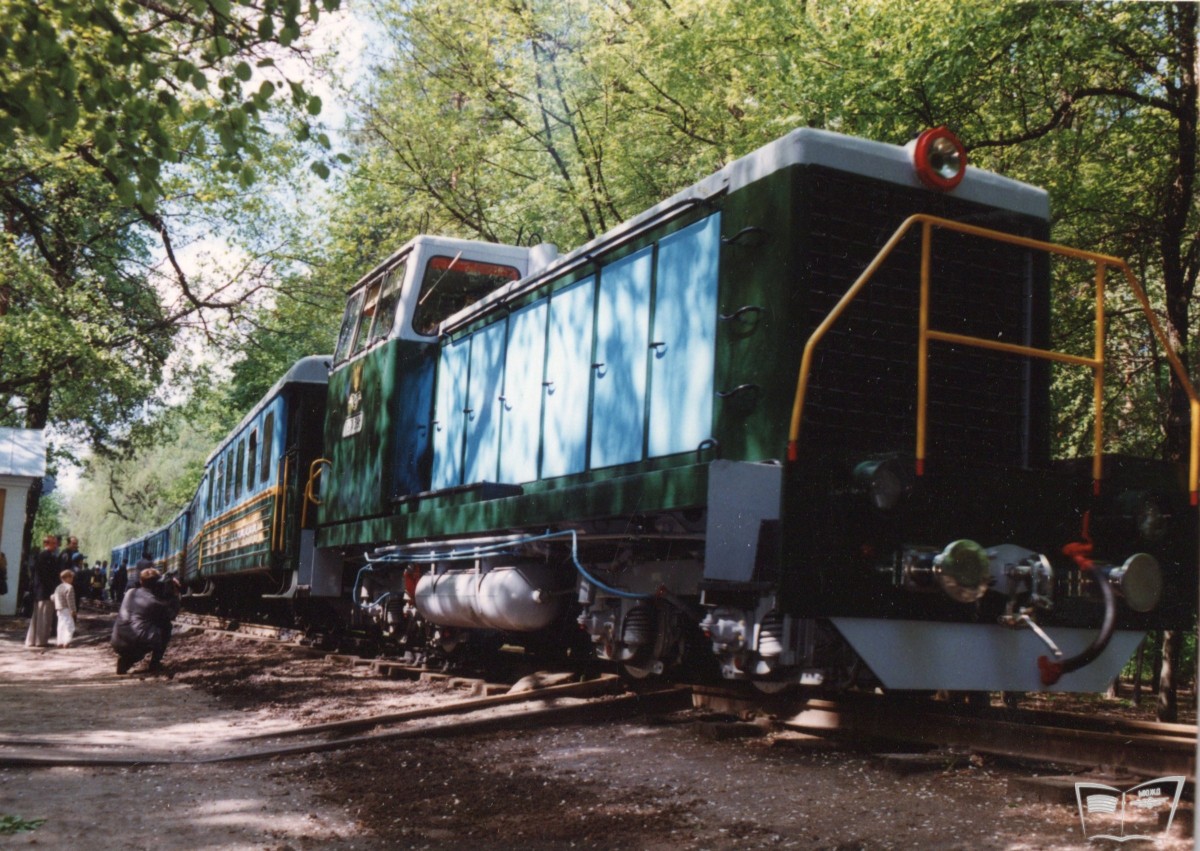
(233, 626)
(1107, 743)
(596, 701)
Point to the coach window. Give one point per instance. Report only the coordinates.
(208, 494)
(239, 469)
(252, 460)
(450, 284)
(220, 480)
(229, 477)
(268, 437)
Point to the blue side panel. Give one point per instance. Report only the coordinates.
(622, 330)
(410, 422)
(685, 323)
(448, 414)
(521, 420)
(482, 457)
(568, 374)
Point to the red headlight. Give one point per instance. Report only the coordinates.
(940, 159)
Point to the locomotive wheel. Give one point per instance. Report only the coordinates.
(638, 672)
(769, 686)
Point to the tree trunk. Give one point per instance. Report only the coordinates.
(1137, 673)
(1168, 703)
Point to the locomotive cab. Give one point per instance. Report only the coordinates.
(381, 384)
(379, 430)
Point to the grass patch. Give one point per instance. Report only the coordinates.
(15, 824)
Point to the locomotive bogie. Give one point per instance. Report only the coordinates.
(644, 626)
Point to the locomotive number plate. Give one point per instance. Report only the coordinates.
(352, 425)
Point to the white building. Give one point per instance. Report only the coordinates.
(22, 459)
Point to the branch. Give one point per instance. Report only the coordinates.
(1064, 108)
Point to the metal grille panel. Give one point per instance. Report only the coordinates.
(863, 390)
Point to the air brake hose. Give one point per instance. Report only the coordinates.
(1053, 670)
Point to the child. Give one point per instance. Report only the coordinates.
(64, 604)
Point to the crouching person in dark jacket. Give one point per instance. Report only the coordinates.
(144, 622)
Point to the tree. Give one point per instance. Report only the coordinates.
(124, 495)
(127, 88)
(492, 120)
(116, 121)
(303, 322)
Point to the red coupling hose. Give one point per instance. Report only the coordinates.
(1080, 552)
(1050, 671)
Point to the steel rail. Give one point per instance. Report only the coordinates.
(603, 708)
(1138, 752)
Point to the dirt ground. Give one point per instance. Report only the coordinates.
(652, 783)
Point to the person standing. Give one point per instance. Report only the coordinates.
(45, 573)
(66, 608)
(119, 578)
(78, 566)
(96, 592)
(67, 556)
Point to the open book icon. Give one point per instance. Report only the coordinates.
(1108, 813)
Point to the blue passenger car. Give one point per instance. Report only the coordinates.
(247, 517)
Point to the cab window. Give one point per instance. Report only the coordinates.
(371, 313)
(369, 309)
(384, 315)
(349, 327)
(452, 283)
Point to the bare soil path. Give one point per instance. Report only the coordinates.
(656, 783)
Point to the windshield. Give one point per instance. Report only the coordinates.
(450, 284)
(371, 313)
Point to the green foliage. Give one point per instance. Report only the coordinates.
(124, 87)
(1185, 665)
(83, 336)
(50, 517)
(121, 128)
(124, 496)
(10, 825)
(303, 322)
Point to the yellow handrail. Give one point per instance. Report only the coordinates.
(278, 529)
(925, 334)
(315, 469)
